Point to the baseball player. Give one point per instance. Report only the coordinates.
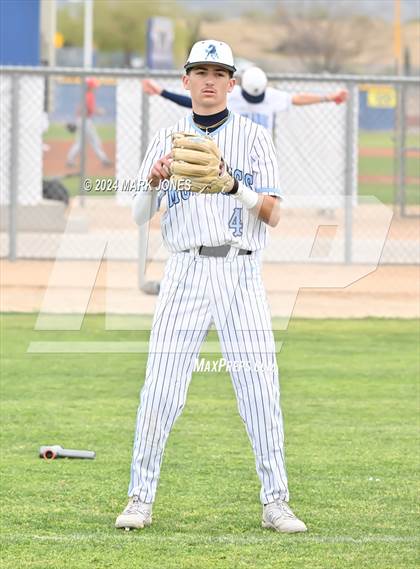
(91, 133)
(253, 99)
(216, 172)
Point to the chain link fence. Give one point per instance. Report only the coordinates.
(66, 177)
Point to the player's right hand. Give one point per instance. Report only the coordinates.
(339, 96)
(151, 87)
(160, 170)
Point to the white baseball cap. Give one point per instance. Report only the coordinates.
(211, 52)
(254, 81)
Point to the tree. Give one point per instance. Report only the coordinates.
(120, 25)
(323, 36)
(70, 24)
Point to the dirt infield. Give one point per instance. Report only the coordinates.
(389, 291)
(385, 180)
(55, 160)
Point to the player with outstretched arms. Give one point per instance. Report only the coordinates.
(254, 99)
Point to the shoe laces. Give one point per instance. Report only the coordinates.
(137, 507)
(285, 511)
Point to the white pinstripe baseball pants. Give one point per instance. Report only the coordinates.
(195, 291)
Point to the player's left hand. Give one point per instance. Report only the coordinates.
(339, 96)
(197, 165)
(151, 87)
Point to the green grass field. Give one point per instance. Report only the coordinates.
(385, 139)
(349, 396)
(72, 183)
(385, 166)
(386, 194)
(58, 131)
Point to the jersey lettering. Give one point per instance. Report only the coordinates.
(247, 178)
(173, 196)
(235, 222)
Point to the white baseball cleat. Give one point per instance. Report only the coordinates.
(136, 515)
(279, 517)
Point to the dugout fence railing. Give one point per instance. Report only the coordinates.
(58, 204)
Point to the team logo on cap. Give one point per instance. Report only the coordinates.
(211, 51)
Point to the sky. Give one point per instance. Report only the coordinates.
(410, 9)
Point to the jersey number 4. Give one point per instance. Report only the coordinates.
(235, 222)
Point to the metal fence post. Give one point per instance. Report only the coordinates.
(348, 188)
(83, 142)
(144, 124)
(14, 172)
(400, 150)
(143, 229)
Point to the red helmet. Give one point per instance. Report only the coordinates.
(92, 83)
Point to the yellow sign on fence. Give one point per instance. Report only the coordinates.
(382, 97)
(58, 40)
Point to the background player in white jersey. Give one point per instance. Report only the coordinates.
(212, 276)
(254, 99)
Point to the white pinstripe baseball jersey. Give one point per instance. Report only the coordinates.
(262, 113)
(191, 220)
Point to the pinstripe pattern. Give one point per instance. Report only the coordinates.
(179, 327)
(249, 150)
(243, 323)
(193, 294)
(197, 290)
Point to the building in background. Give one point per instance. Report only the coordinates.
(19, 32)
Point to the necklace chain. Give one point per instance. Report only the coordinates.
(206, 128)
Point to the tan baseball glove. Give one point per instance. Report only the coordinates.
(197, 165)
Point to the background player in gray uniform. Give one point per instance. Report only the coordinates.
(91, 133)
(253, 99)
(212, 276)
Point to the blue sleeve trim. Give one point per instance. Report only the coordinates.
(271, 191)
(176, 98)
(160, 197)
